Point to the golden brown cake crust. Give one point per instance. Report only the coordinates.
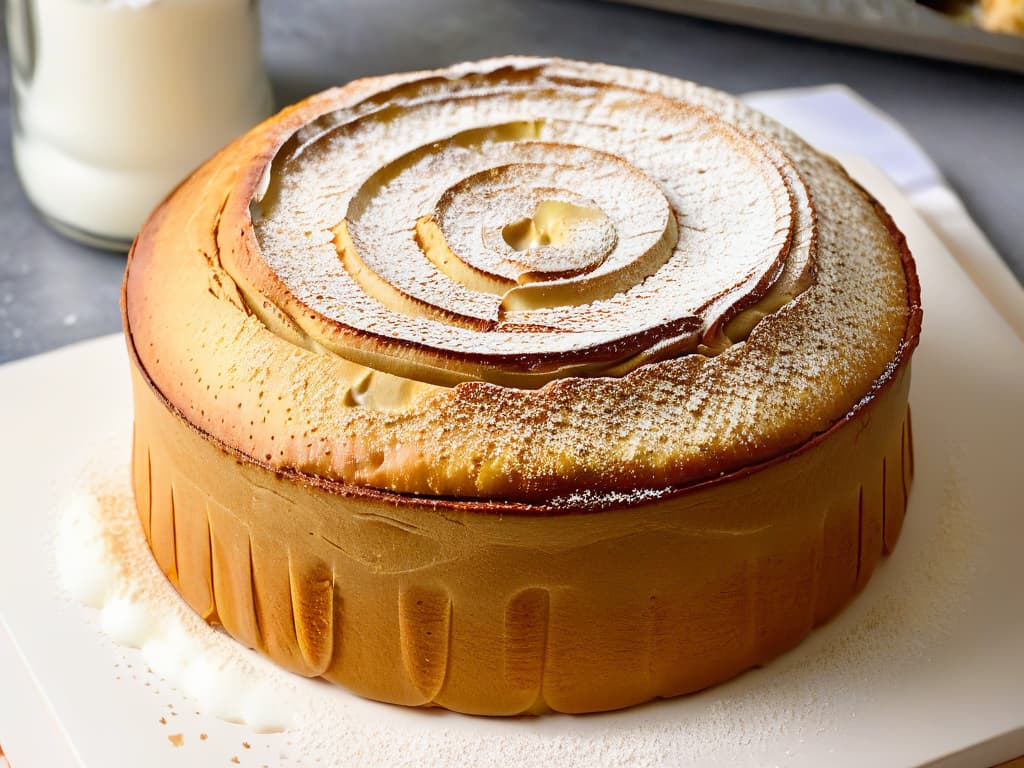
(217, 330)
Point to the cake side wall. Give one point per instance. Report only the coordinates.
(504, 614)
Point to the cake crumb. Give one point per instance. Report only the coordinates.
(163, 721)
(177, 739)
(203, 737)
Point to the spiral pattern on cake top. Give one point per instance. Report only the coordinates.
(523, 225)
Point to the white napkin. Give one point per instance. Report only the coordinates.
(837, 120)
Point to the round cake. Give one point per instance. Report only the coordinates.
(522, 385)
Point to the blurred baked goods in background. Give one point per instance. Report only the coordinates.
(1003, 16)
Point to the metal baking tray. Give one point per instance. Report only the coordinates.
(903, 26)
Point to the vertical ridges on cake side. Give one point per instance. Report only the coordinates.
(232, 576)
(424, 624)
(525, 641)
(312, 599)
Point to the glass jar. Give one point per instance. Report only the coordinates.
(116, 101)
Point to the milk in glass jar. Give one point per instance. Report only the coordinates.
(116, 101)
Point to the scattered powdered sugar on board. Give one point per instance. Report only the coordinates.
(104, 561)
(931, 590)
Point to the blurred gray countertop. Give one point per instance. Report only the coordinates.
(970, 120)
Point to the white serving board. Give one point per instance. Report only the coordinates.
(903, 26)
(927, 664)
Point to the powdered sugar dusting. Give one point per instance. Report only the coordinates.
(651, 414)
(103, 561)
(646, 161)
(589, 499)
